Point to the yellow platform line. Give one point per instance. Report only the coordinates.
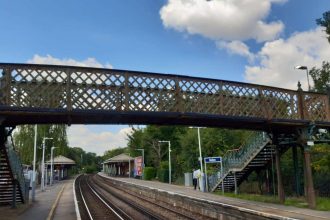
(52, 211)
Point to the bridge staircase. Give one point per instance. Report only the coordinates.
(12, 182)
(239, 163)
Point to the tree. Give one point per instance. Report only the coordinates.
(24, 141)
(325, 22)
(321, 77)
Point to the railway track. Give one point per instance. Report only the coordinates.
(98, 199)
(92, 205)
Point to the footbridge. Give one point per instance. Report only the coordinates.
(31, 94)
(49, 94)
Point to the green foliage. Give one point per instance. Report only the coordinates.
(321, 77)
(114, 152)
(325, 22)
(184, 147)
(162, 175)
(24, 141)
(90, 169)
(149, 173)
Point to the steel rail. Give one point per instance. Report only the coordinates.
(141, 208)
(83, 198)
(105, 203)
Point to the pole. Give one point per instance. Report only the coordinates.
(169, 163)
(43, 166)
(200, 159)
(222, 184)
(34, 163)
(51, 165)
(280, 189)
(207, 187)
(309, 86)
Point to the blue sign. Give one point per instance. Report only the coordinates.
(212, 159)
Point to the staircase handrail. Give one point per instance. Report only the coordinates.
(16, 168)
(236, 159)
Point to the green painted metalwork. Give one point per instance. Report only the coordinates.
(237, 159)
(16, 169)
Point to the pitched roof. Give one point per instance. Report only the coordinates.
(119, 158)
(61, 160)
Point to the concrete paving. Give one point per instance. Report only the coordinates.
(56, 202)
(66, 208)
(267, 208)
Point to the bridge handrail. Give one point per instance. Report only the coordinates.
(16, 168)
(237, 159)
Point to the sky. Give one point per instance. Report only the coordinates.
(254, 41)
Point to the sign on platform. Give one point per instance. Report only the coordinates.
(138, 163)
(212, 159)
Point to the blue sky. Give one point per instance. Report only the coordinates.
(257, 41)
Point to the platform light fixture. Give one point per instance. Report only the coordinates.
(43, 163)
(304, 68)
(200, 153)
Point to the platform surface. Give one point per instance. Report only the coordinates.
(56, 201)
(265, 208)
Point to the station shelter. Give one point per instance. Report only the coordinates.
(119, 165)
(61, 166)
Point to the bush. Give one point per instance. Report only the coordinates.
(164, 165)
(162, 175)
(149, 173)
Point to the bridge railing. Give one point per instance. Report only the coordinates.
(76, 88)
(16, 169)
(236, 159)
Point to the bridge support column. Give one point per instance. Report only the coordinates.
(309, 178)
(296, 171)
(280, 190)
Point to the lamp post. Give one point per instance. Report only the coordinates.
(305, 68)
(169, 160)
(200, 153)
(34, 163)
(140, 149)
(51, 165)
(43, 163)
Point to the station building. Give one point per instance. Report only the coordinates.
(119, 165)
(61, 166)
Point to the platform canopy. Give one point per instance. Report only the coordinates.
(119, 158)
(61, 160)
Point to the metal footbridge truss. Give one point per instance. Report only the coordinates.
(31, 93)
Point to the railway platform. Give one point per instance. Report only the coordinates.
(56, 202)
(178, 194)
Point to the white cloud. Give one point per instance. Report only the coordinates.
(278, 58)
(222, 19)
(236, 47)
(48, 59)
(98, 142)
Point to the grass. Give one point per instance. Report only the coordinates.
(322, 204)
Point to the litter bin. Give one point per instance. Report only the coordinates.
(188, 179)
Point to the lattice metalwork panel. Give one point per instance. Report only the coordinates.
(315, 106)
(151, 93)
(77, 88)
(241, 100)
(280, 104)
(200, 96)
(37, 87)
